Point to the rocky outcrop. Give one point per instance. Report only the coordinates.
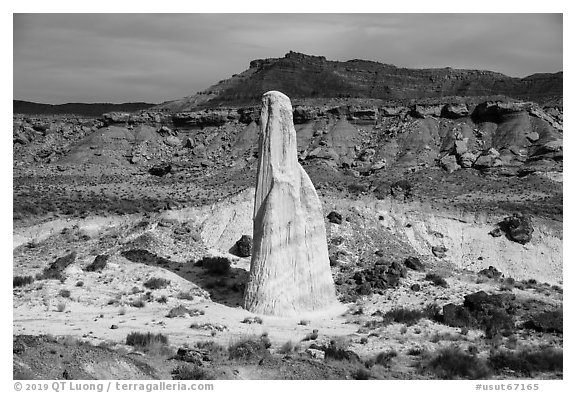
(290, 268)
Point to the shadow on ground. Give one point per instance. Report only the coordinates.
(226, 289)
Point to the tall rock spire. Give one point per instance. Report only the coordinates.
(290, 269)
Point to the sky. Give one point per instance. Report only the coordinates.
(60, 58)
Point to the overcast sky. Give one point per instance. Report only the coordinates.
(61, 58)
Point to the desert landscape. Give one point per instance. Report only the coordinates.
(440, 193)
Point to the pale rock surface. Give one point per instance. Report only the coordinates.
(290, 270)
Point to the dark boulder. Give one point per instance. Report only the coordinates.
(160, 169)
(491, 272)
(334, 217)
(244, 246)
(518, 228)
(414, 264)
(98, 264)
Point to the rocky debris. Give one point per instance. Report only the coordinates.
(98, 264)
(181, 311)
(382, 276)
(165, 132)
(455, 111)
(160, 169)
(244, 246)
(488, 159)
(439, 251)
(414, 263)
(517, 227)
(496, 232)
(315, 353)
(491, 273)
(114, 327)
(334, 217)
(402, 189)
(300, 230)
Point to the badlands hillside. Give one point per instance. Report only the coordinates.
(442, 197)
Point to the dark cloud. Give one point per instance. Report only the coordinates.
(155, 57)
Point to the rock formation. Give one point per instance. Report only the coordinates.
(290, 269)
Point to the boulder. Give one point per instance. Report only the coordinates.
(244, 246)
(335, 218)
(467, 159)
(172, 141)
(414, 263)
(290, 267)
(449, 164)
(518, 228)
(160, 169)
(454, 111)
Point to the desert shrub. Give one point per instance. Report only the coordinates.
(20, 281)
(186, 372)
(453, 363)
(404, 315)
(251, 320)
(547, 321)
(383, 359)
(527, 361)
(338, 350)
(247, 348)
(414, 351)
(145, 340)
(182, 295)
(304, 322)
(138, 303)
(288, 347)
(212, 350)
(215, 265)
(311, 336)
(436, 279)
(64, 293)
(80, 283)
(362, 374)
(162, 299)
(156, 283)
